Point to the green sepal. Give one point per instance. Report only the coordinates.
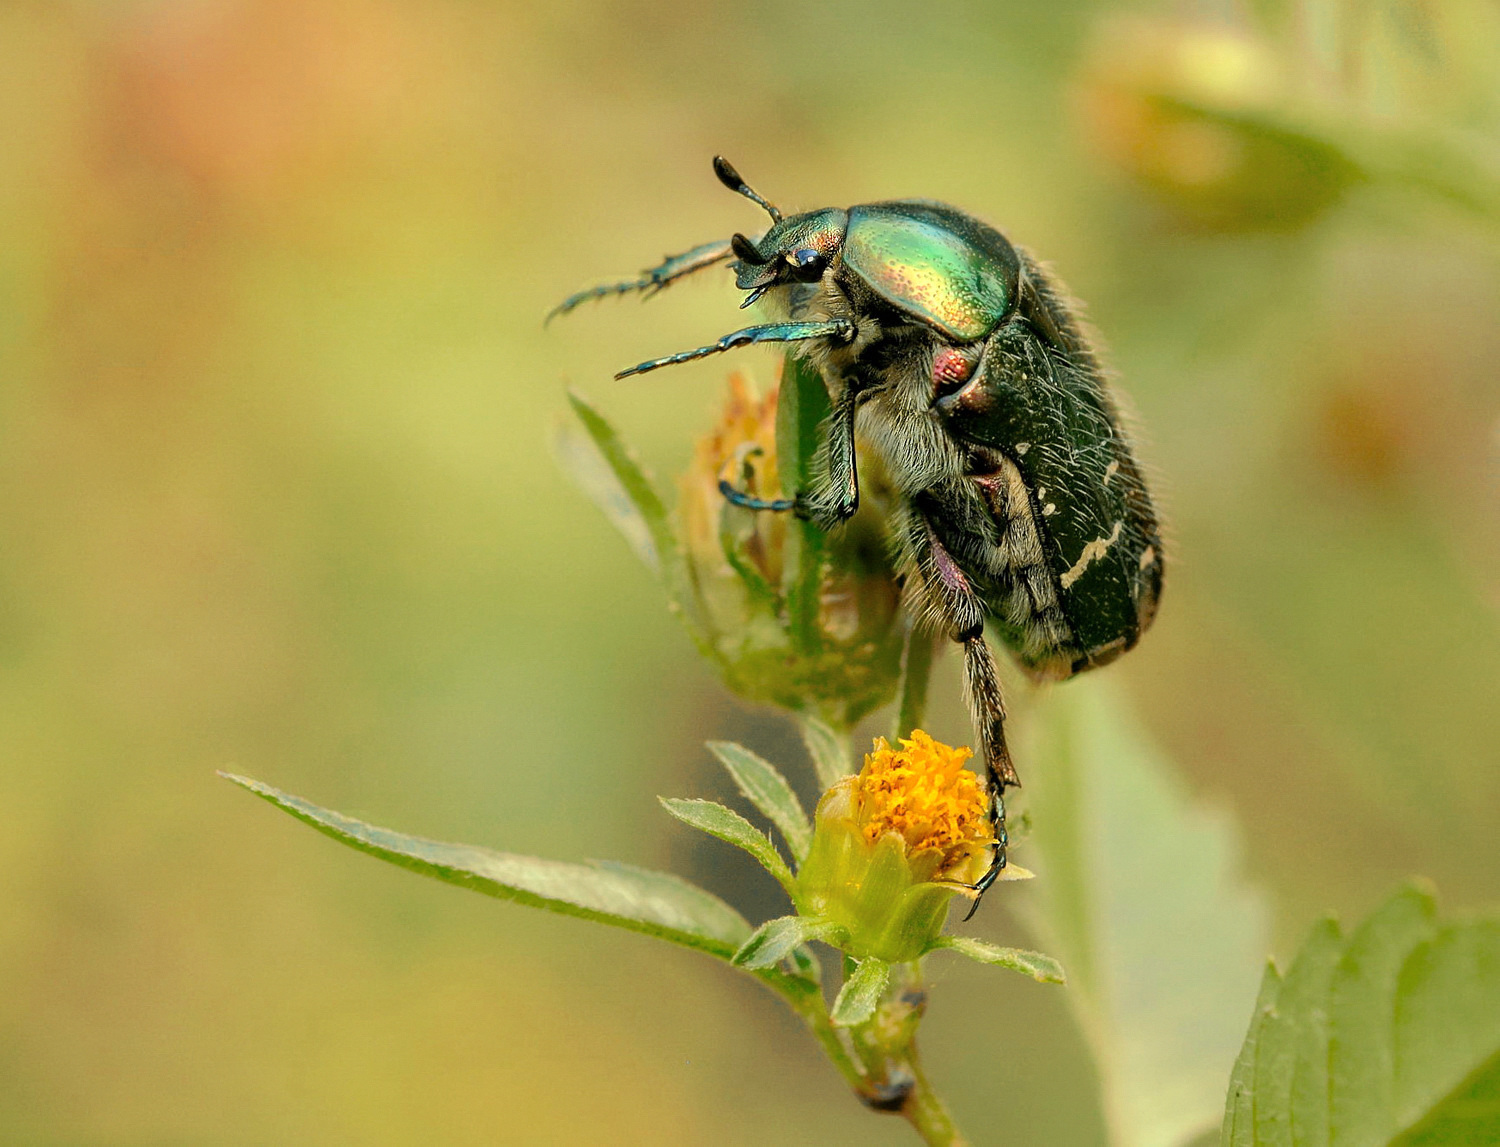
(872, 892)
(642, 516)
(1039, 966)
(828, 748)
(730, 827)
(777, 939)
(916, 674)
(768, 791)
(655, 903)
(860, 995)
(801, 407)
(627, 497)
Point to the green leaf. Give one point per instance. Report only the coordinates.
(1361, 1085)
(728, 825)
(1287, 1049)
(620, 488)
(1238, 1129)
(1140, 898)
(656, 903)
(829, 749)
(861, 993)
(1038, 966)
(768, 791)
(1393, 1036)
(777, 939)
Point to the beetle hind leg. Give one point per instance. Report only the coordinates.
(987, 710)
(950, 599)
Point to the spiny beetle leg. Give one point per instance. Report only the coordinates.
(658, 278)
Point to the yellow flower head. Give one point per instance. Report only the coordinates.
(923, 793)
(894, 844)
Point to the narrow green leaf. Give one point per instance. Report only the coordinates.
(621, 489)
(1239, 1109)
(729, 826)
(1395, 1034)
(777, 939)
(1294, 1036)
(1037, 965)
(861, 993)
(656, 903)
(829, 749)
(1141, 899)
(768, 791)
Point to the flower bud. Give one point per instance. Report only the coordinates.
(893, 845)
(747, 568)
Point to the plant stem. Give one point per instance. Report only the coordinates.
(925, 1111)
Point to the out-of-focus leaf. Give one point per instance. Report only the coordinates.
(729, 826)
(767, 790)
(861, 993)
(614, 480)
(1037, 965)
(777, 939)
(1392, 1037)
(1141, 900)
(656, 903)
(829, 750)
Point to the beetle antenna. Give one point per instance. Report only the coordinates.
(732, 179)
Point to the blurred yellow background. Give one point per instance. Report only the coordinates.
(277, 494)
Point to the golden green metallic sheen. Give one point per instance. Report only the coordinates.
(934, 263)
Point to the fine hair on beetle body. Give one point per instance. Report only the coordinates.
(1016, 502)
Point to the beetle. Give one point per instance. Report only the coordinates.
(961, 360)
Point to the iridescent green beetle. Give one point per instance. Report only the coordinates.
(961, 361)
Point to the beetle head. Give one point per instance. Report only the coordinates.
(795, 250)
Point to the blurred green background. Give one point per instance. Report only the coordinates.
(277, 494)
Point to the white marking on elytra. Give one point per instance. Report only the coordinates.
(1109, 471)
(1095, 550)
(1022, 447)
(1148, 557)
(1048, 510)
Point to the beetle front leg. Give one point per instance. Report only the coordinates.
(835, 497)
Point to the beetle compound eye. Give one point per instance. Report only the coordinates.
(951, 368)
(807, 263)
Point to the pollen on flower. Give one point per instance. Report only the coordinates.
(923, 793)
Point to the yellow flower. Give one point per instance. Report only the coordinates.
(923, 793)
(893, 845)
